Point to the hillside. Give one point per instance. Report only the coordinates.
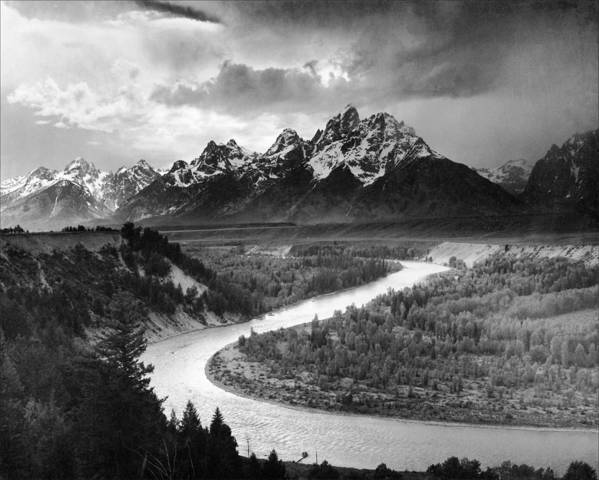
(73, 276)
(512, 176)
(567, 176)
(46, 198)
(353, 169)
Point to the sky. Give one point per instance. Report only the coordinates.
(113, 82)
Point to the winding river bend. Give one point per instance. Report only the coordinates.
(345, 440)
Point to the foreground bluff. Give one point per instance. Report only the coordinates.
(353, 169)
(567, 176)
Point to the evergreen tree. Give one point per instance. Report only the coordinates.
(223, 458)
(273, 468)
(580, 471)
(120, 419)
(253, 470)
(192, 444)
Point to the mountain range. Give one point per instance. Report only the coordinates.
(376, 168)
(45, 198)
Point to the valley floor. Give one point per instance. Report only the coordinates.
(231, 370)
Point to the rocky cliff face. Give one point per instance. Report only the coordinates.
(567, 176)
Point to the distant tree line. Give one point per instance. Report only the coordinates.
(260, 283)
(81, 228)
(16, 230)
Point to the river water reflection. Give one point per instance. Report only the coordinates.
(345, 440)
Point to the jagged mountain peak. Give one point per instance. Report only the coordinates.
(370, 147)
(42, 172)
(337, 127)
(567, 175)
(178, 165)
(349, 119)
(388, 125)
(286, 139)
(143, 164)
(81, 165)
(139, 165)
(86, 190)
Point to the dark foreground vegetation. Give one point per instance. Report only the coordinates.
(510, 341)
(76, 401)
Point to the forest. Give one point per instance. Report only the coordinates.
(511, 340)
(79, 406)
(76, 406)
(70, 340)
(274, 281)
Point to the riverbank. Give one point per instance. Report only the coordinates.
(359, 441)
(230, 370)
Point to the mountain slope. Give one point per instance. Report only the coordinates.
(80, 192)
(567, 176)
(61, 203)
(376, 168)
(353, 169)
(511, 176)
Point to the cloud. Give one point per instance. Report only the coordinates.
(77, 105)
(192, 13)
(149, 80)
(241, 88)
(139, 125)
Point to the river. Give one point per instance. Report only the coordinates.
(345, 440)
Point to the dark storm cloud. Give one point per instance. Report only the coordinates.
(390, 50)
(178, 10)
(240, 87)
(459, 48)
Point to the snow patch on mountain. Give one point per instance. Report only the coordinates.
(106, 188)
(368, 147)
(512, 175)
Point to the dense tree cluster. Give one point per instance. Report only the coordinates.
(16, 230)
(456, 469)
(82, 228)
(493, 326)
(70, 411)
(257, 283)
(370, 250)
(71, 290)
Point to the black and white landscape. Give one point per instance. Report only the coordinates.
(352, 170)
(299, 239)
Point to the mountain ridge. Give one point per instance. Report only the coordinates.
(371, 169)
(79, 192)
(335, 176)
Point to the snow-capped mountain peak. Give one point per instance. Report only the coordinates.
(368, 147)
(512, 175)
(22, 186)
(107, 190)
(286, 140)
(80, 164)
(220, 157)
